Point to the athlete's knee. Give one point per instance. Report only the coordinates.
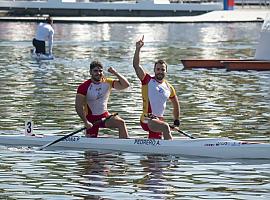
(165, 127)
(120, 122)
(167, 132)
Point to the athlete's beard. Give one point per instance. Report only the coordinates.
(160, 77)
(97, 78)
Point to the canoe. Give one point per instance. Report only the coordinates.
(201, 147)
(229, 64)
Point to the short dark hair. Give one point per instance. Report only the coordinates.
(95, 64)
(161, 62)
(49, 20)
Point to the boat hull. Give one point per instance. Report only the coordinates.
(247, 65)
(199, 63)
(229, 64)
(202, 147)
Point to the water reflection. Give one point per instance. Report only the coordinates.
(155, 179)
(99, 175)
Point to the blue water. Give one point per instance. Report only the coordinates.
(213, 103)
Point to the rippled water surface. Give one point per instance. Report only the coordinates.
(213, 103)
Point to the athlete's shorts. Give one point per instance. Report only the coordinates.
(93, 132)
(151, 135)
(39, 45)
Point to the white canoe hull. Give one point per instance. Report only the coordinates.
(202, 147)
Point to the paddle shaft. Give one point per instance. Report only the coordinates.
(182, 132)
(73, 133)
(150, 116)
(62, 138)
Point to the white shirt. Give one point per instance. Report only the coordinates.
(45, 32)
(158, 94)
(155, 95)
(97, 97)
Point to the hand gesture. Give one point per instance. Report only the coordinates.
(112, 70)
(140, 43)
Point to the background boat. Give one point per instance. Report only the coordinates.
(260, 62)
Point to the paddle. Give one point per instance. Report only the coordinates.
(73, 133)
(151, 116)
(182, 132)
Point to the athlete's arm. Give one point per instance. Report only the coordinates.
(136, 60)
(50, 41)
(176, 107)
(122, 82)
(80, 102)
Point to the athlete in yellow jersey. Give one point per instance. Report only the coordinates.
(155, 93)
(92, 98)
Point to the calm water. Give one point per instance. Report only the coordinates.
(213, 103)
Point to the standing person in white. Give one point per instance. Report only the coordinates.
(44, 33)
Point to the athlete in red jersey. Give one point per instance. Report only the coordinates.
(155, 92)
(92, 98)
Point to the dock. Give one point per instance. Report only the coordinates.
(84, 8)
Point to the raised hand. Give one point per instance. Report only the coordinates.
(112, 70)
(140, 43)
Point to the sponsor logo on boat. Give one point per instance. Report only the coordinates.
(224, 144)
(72, 139)
(147, 142)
